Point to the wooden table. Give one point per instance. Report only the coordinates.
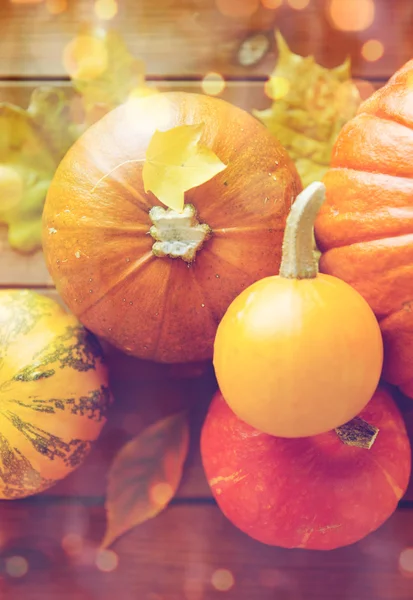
(179, 555)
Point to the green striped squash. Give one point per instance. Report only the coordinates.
(54, 392)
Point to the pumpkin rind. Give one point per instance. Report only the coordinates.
(315, 492)
(96, 241)
(54, 393)
(365, 228)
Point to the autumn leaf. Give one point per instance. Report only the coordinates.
(32, 143)
(145, 475)
(103, 71)
(310, 106)
(176, 162)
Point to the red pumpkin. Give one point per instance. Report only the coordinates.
(317, 492)
(365, 228)
(99, 247)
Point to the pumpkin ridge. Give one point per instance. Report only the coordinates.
(369, 147)
(142, 203)
(17, 474)
(166, 298)
(94, 405)
(48, 445)
(215, 317)
(142, 262)
(361, 240)
(380, 113)
(396, 489)
(236, 230)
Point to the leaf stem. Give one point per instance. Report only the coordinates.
(298, 260)
(134, 160)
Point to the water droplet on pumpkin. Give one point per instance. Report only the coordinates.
(217, 276)
(52, 230)
(90, 291)
(58, 261)
(77, 254)
(270, 174)
(90, 280)
(123, 299)
(127, 259)
(203, 305)
(266, 200)
(131, 303)
(274, 177)
(110, 329)
(222, 580)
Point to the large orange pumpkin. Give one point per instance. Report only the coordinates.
(365, 229)
(54, 393)
(98, 244)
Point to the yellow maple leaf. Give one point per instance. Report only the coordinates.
(176, 162)
(310, 106)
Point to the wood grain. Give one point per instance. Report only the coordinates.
(176, 556)
(182, 38)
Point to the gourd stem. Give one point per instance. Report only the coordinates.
(298, 258)
(358, 432)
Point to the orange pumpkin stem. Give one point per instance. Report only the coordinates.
(298, 258)
(358, 432)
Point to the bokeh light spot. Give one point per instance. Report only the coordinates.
(26, 1)
(351, 15)
(372, 50)
(237, 9)
(161, 493)
(56, 7)
(213, 84)
(107, 561)
(406, 562)
(222, 580)
(16, 566)
(298, 4)
(106, 9)
(277, 87)
(85, 57)
(72, 544)
(271, 4)
(365, 88)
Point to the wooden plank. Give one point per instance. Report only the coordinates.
(180, 555)
(192, 37)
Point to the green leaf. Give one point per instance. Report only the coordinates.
(176, 162)
(32, 143)
(145, 475)
(103, 71)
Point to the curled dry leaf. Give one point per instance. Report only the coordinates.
(145, 475)
(176, 162)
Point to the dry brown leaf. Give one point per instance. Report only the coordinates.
(145, 475)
